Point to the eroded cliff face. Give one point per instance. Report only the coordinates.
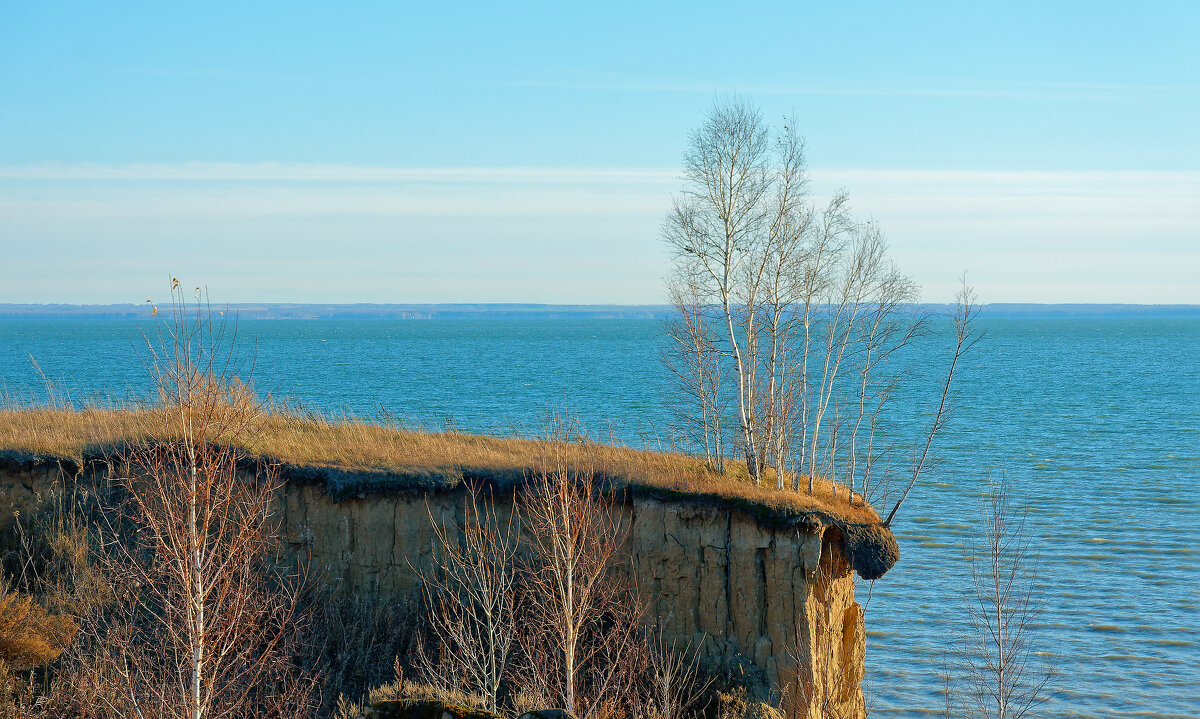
(779, 598)
(24, 482)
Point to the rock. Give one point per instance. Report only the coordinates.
(423, 710)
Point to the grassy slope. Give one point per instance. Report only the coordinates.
(388, 454)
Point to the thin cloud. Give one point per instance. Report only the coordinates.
(1025, 236)
(273, 189)
(335, 173)
(300, 172)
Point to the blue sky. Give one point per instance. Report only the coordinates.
(394, 152)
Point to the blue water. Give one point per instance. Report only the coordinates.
(1095, 422)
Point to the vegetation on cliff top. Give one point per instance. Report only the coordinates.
(374, 456)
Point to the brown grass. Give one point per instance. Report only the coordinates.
(308, 440)
(30, 636)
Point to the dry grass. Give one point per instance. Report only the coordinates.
(29, 636)
(308, 440)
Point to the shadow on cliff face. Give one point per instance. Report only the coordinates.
(870, 548)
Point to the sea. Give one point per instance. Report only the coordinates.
(1093, 422)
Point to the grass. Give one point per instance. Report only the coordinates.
(373, 456)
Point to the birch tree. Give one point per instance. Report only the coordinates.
(814, 316)
(783, 253)
(888, 327)
(693, 360)
(722, 223)
(1002, 676)
(966, 336)
(583, 621)
(206, 619)
(470, 594)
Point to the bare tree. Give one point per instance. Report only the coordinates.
(206, 618)
(692, 358)
(783, 254)
(721, 222)
(887, 327)
(1002, 678)
(858, 282)
(470, 594)
(965, 337)
(946, 711)
(674, 686)
(821, 253)
(812, 309)
(584, 622)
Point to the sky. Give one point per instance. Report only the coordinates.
(528, 152)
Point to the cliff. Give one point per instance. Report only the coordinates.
(769, 586)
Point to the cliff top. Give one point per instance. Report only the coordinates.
(353, 458)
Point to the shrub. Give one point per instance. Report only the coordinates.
(29, 636)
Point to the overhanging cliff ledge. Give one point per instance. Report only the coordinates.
(352, 458)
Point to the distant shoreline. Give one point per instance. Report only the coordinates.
(485, 311)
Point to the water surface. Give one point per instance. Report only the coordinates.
(1096, 423)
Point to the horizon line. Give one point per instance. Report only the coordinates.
(290, 171)
(330, 310)
(554, 304)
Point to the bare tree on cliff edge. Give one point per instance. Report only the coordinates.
(798, 308)
(740, 189)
